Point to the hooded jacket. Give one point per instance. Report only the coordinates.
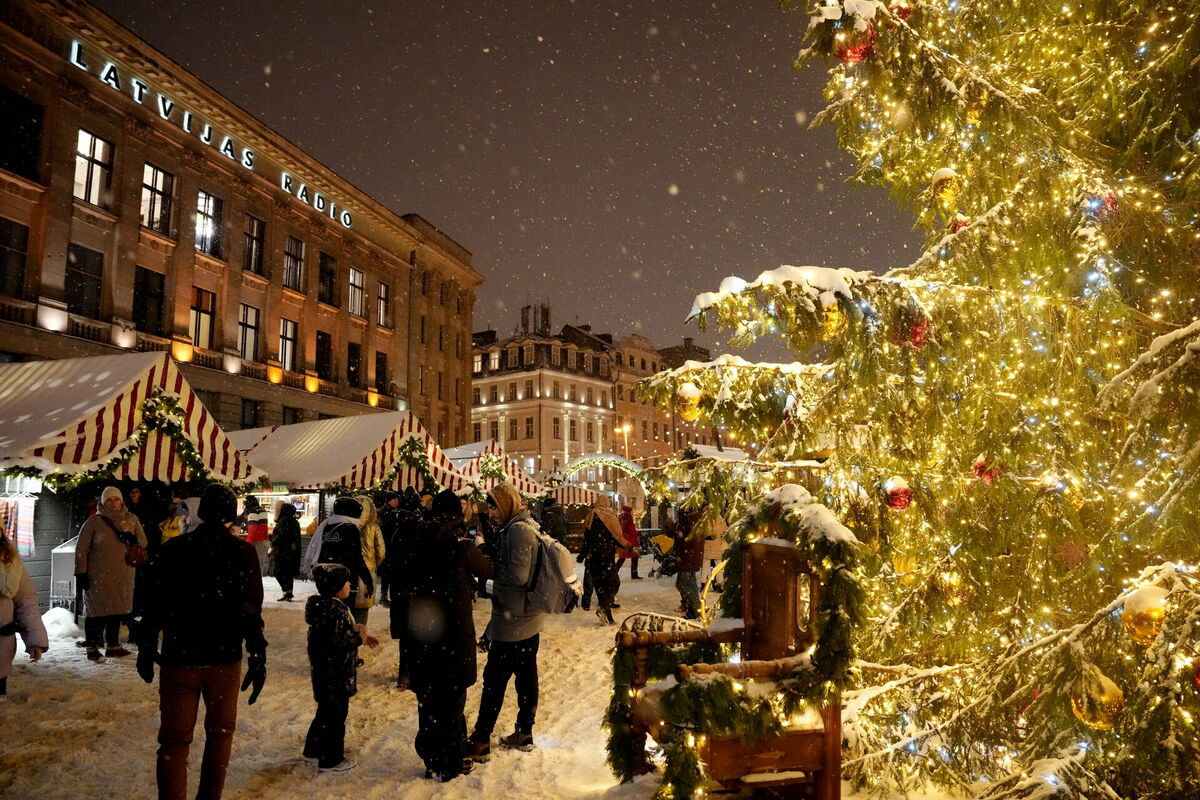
(285, 543)
(516, 554)
(373, 549)
(333, 645)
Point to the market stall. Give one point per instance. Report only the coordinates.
(73, 422)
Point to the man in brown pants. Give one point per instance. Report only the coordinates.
(206, 597)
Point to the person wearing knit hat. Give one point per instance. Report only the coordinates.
(205, 598)
(103, 574)
(333, 641)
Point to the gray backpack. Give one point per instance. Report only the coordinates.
(554, 588)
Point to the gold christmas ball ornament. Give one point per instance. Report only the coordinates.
(1096, 700)
(1144, 613)
(945, 186)
(687, 402)
(833, 319)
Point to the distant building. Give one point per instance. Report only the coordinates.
(674, 356)
(550, 398)
(142, 210)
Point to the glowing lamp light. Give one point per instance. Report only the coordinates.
(232, 364)
(372, 398)
(52, 319)
(182, 351)
(311, 383)
(124, 337)
(274, 374)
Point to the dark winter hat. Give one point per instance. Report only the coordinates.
(410, 499)
(330, 578)
(348, 507)
(217, 504)
(446, 502)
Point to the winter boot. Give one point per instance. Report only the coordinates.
(478, 751)
(93, 654)
(518, 741)
(346, 764)
(116, 652)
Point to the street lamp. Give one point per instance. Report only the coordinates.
(625, 429)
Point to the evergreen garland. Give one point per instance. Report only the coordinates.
(717, 705)
(161, 413)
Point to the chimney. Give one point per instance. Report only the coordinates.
(544, 330)
(687, 343)
(525, 319)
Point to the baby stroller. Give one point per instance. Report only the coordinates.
(661, 547)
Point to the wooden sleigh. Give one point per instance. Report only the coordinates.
(779, 590)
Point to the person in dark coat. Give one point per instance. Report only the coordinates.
(339, 541)
(388, 521)
(689, 543)
(554, 520)
(445, 563)
(333, 641)
(206, 598)
(285, 549)
(601, 540)
(408, 518)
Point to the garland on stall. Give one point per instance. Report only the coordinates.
(491, 466)
(161, 413)
(719, 705)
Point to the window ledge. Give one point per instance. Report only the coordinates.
(295, 294)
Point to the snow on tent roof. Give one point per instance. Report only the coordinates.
(727, 454)
(357, 452)
(247, 438)
(75, 415)
(465, 452)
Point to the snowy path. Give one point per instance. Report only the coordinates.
(73, 728)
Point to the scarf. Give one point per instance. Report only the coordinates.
(313, 553)
(603, 510)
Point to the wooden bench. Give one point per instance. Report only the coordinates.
(779, 592)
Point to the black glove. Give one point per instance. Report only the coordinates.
(146, 659)
(81, 581)
(256, 676)
(484, 643)
(579, 558)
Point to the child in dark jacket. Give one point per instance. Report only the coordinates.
(333, 641)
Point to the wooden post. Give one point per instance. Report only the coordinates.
(829, 780)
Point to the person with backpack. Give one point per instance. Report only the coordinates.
(513, 633)
(339, 541)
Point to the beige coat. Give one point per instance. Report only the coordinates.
(23, 607)
(371, 536)
(101, 555)
(714, 539)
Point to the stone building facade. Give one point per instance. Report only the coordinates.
(141, 210)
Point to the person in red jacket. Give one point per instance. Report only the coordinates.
(254, 520)
(629, 533)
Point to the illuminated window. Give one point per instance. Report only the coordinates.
(288, 339)
(255, 235)
(209, 215)
(383, 304)
(248, 332)
(203, 312)
(357, 296)
(293, 263)
(93, 168)
(157, 185)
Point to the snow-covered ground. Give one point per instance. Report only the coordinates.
(72, 728)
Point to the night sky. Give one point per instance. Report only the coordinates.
(614, 158)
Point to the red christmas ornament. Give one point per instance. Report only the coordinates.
(959, 223)
(919, 332)
(901, 10)
(857, 45)
(983, 472)
(1196, 676)
(898, 495)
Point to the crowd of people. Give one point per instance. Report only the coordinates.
(190, 590)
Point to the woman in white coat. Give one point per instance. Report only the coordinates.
(19, 612)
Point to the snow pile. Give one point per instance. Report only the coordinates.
(60, 625)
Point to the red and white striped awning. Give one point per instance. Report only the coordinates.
(512, 472)
(571, 495)
(358, 452)
(75, 415)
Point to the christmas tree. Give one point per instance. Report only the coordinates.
(1008, 423)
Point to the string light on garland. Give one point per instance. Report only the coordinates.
(1144, 613)
(1095, 700)
(687, 401)
(897, 493)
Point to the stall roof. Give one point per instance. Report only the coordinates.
(247, 438)
(357, 452)
(76, 415)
